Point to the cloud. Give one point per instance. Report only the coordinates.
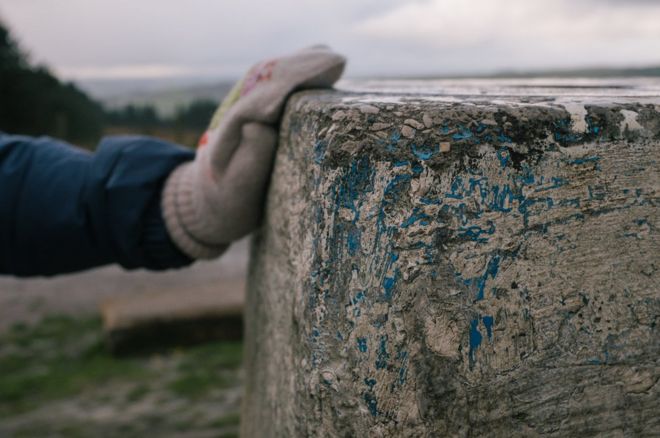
(163, 38)
(223, 35)
(525, 31)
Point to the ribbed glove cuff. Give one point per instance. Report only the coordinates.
(182, 213)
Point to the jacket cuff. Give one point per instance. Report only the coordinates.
(159, 250)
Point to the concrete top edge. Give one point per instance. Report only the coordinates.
(642, 90)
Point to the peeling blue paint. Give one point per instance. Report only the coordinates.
(563, 133)
(319, 151)
(362, 344)
(488, 323)
(382, 356)
(372, 404)
(402, 356)
(416, 216)
(353, 240)
(584, 160)
(504, 138)
(480, 282)
(395, 136)
(359, 297)
(388, 285)
(463, 134)
(456, 186)
(503, 155)
(424, 152)
(556, 183)
(475, 340)
(430, 201)
(475, 232)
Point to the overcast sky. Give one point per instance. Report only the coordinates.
(84, 39)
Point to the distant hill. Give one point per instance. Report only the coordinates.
(585, 72)
(596, 73)
(166, 96)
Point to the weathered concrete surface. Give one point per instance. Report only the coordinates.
(467, 265)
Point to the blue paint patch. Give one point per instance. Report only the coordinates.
(416, 216)
(362, 344)
(488, 323)
(394, 141)
(556, 183)
(388, 285)
(383, 356)
(526, 178)
(353, 240)
(424, 152)
(430, 201)
(585, 160)
(570, 202)
(372, 404)
(464, 134)
(401, 163)
(403, 370)
(319, 151)
(475, 340)
(504, 138)
(503, 155)
(474, 233)
(359, 297)
(370, 382)
(563, 133)
(480, 282)
(456, 186)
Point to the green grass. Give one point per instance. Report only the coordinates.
(201, 370)
(61, 358)
(55, 359)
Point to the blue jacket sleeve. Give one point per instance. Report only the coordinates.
(63, 209)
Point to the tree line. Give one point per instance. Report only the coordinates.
(34, 102)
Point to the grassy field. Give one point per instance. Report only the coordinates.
(57, 379)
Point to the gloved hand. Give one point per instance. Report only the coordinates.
(217, 198)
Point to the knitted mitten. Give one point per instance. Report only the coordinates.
(217, 198)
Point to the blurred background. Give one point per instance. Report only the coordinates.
(82, 69)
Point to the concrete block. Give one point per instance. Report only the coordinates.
(157, 320)
(475, 259)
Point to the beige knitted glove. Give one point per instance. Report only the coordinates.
(217, 198)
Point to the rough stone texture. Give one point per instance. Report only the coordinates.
(458, 263)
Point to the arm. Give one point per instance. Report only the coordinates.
(63, 209)
(142, 202)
